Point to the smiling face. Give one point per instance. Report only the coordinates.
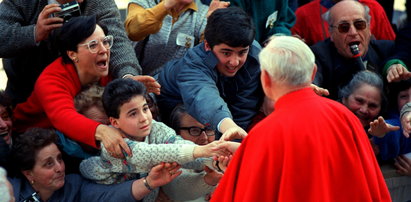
(91, 66)
(365, 103)
(230, 59)
(5, 125)
(49, 170)
(189, 121)
(135, 118)
(349, 12)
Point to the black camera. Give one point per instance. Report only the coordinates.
(68, 10)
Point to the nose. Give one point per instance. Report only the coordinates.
(363, 109)
(59, 166)
(102, 48)
(143, 117)
(352, 30)
(234, 61)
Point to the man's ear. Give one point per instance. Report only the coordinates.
(314, 72)
(207, 46)
(114, 122)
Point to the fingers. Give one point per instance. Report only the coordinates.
(151, 84)
(46, 24)
(397, 72)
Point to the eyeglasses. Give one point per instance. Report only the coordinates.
(196, 131)
(92, 45)
(344, 27)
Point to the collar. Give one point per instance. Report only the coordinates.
(191, 6)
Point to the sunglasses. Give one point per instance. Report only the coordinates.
(344, 27)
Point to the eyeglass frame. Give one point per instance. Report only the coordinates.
(87, 44)
(358, 28)
(201, 129)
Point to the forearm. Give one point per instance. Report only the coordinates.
(139, 190)
(142, 22)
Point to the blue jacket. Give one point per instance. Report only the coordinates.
(207, 95)
(77, 188)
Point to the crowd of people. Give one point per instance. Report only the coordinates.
(199, 100)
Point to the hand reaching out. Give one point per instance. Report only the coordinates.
(403, 165)
(210, 150)
(112, 140)
(397, 72)
(212, 177)
(151, 84)
(379, 127)
(162, 174)
(233, 133)
(217, 4)
(320, 91)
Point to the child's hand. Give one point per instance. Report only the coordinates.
(162, 174)
(379, 127)
(222, 162)
(210, 150)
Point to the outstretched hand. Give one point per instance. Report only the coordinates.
(403, 165)
(379, 128)
(112, 140)
(163, 174)
(151, 84)
(320, 91)
(397, 72)
(233, 133)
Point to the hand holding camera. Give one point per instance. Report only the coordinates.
(53, 16)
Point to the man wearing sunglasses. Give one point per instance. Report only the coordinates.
(349, 25)
(26, 44)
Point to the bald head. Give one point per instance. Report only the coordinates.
(345, 6)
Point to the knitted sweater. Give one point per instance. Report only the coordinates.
(161, 145)
(172, 40)
(24, 60)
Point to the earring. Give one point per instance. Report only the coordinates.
(75, 60)
(32, 182)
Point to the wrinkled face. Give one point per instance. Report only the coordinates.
(189, 121)
(5, 125)
(49, 170)
(230, 59)
(96, 114)
(353, 14)
(135, 118)
(403, 98)
(365, 103)
(91, 66)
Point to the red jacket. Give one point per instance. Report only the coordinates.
(312, 28)
(51, 105)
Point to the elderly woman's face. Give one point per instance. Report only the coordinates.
(365, 103)
(92, 66)
(188, 121)
(49, 170)
(5, 125)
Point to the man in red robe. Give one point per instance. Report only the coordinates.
(310, 148)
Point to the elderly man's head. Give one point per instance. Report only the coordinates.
(349, 23)
(288, 62)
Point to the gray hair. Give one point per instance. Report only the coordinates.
(288, 60)
(327, 16)
(359, 79)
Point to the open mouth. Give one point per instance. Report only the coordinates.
(4, 134)
(354, 43)
(102, 63)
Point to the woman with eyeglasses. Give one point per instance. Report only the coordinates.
(192, 184)
(42, 176)
(85, 56)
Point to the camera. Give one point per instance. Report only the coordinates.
(68, 10)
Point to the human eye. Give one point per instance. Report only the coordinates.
(226, 53)
(49, 163)
(146, 108)
(5, 116)
(132, 114)
(359, 100)
(92, 44)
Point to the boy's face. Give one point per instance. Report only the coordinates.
(134, 119)
(230, 59)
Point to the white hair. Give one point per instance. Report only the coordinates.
(288, 60)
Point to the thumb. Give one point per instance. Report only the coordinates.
(157, 168)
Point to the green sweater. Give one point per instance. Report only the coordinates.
(269, 17)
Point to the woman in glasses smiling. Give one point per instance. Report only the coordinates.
(85, 55)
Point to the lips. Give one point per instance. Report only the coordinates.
(4, 133)
(102, 63)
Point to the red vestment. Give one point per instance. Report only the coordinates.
(309, 149)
